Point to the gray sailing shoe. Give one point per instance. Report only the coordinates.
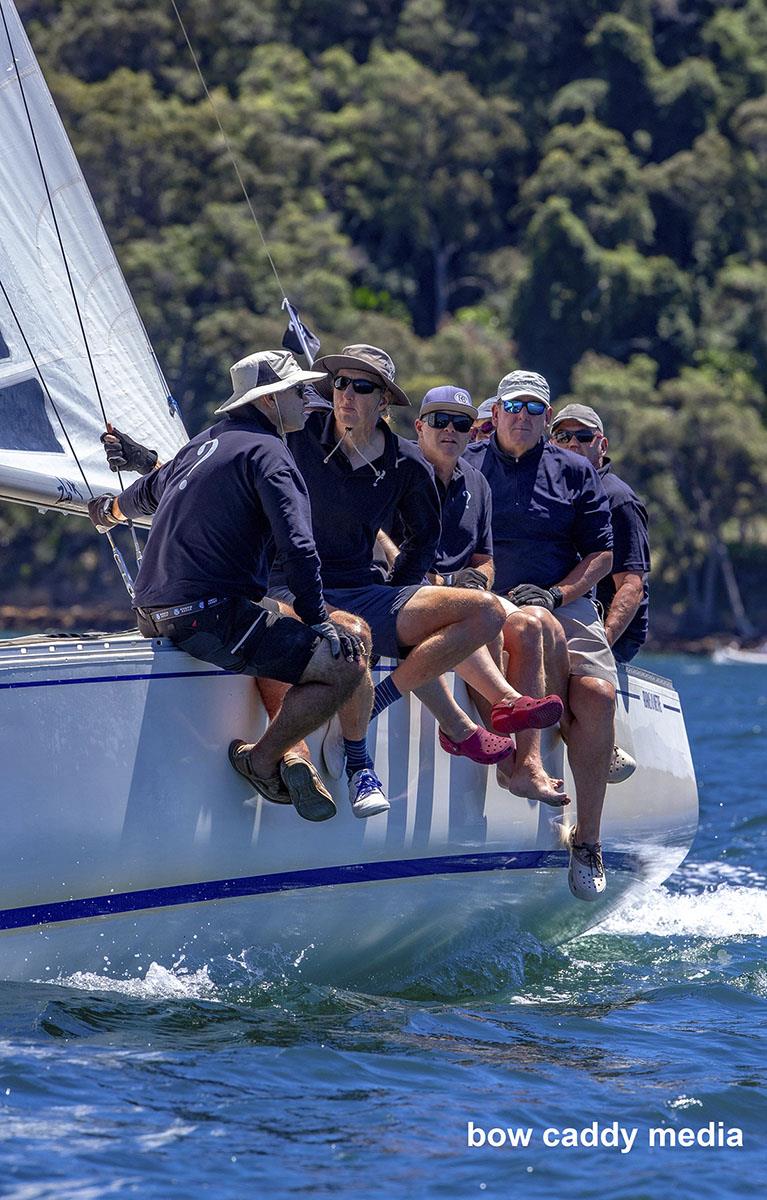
(586, 875)
(308, 794)
(271, 788)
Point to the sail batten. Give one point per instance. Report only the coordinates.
(50, 366)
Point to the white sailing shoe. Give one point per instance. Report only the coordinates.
(622, 766)
(366, 794)
(586, 875)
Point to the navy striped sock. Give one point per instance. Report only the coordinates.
(357, 757)
(386, 692)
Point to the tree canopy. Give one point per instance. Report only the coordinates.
(575, 187)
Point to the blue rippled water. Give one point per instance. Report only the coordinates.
(248, 1084)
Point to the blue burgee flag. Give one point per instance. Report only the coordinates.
(297, 337)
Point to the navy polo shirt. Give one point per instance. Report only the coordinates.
(549, 512)
(230, 498)
(631, 552)
(467, 510)
(350, 505)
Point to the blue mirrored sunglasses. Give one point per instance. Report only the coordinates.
(534, 407)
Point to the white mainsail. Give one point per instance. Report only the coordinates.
(50, 414)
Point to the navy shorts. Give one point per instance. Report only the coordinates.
(240, 635)
(376, 603)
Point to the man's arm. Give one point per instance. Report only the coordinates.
(629, 590)
(420, 511)
(585, 575)
(484, 564)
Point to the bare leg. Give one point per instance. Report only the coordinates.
(444, 626)
(525, 644)
(324, 686)
(590, 739)
(354, 713)
(272, 692)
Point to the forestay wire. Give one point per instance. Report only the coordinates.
(293, 316)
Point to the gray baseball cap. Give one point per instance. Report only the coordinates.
(524, 383)
(582, 413)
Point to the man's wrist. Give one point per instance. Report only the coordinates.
(558, 595)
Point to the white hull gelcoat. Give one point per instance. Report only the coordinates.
(126, 839)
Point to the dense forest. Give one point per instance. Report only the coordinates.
(573, 186)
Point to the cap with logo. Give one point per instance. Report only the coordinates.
(524, 383)
(448, 399)
(582, 413)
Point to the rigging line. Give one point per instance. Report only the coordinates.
(44, 385)
(228, 145)
(56, 227)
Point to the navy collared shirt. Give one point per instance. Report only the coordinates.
(467, 510)
(230, 498)
(349, 506)
(549, 512)
(631, 552)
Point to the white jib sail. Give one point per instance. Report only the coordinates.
(50, 416)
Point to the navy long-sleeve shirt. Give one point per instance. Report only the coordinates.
(631, 552)
(349, 506)
(549, 512)
(228, 501)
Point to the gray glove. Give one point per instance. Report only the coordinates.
(125, 454)
(530, 593)
(340, 641)
(470, 577)
(100, 513)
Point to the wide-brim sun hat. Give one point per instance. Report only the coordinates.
(361, 358)
(263, 374)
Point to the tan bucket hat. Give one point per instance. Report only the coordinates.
(361, 358)
(262, 374)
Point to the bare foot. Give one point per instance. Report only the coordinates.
(532, 782)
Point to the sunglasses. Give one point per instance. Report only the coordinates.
(461, 422)
(362, 387)
(534, 407)
(584, 436)
(486, 427)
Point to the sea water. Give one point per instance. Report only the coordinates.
(628, 1064)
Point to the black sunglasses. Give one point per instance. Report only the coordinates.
(363, 387)
(534, 407)
(461, 422)
(584, 436)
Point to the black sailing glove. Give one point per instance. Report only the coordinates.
(529, 593)
(470, 577)
(125, 454)
(340, 641)
(100, 513)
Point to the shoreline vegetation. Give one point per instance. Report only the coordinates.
(576, 188)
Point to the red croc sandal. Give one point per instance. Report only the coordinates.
(481, 746)
(527, 712)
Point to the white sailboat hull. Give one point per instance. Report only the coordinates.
(126, 837)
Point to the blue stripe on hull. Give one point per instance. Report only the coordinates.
(286, 881)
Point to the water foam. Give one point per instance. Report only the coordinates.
(720, 911)
(159, 983)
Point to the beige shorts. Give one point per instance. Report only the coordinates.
(587, 643)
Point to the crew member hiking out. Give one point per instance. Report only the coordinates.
(230, 495)
(361, 477)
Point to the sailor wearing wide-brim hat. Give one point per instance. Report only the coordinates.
(360, 357)
(266, 373)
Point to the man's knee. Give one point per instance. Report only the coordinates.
(487, 608)
(525, 625)
(588, 693)
(355, 626)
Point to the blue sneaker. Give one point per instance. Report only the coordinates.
(366, 794)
